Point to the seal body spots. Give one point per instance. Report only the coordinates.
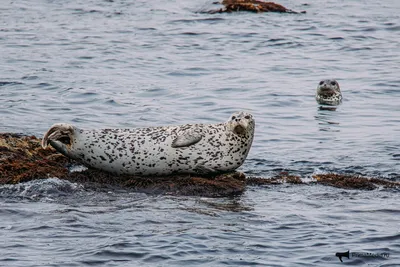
(191, 148)
(328, 93)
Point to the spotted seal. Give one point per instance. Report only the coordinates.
(190, 148)
(328, 92)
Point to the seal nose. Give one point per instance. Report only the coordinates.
(243, 123)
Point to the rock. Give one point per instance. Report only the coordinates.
(354, 181)
(251, 6)
(22, 159)
(283, 177)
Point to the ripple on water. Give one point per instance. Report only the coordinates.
(49, 188)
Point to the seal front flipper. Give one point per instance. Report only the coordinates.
(186, 139)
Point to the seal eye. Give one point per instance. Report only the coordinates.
(233, 117)
(321, 82)
(333, 83)
(247, 117)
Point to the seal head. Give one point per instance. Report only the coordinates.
(328, 93)
(241, 123)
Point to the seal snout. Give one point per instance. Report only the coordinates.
(239, 129)
(324, 87)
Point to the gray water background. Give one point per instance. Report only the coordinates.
(100, 64)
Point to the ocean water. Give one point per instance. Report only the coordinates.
(113, 63)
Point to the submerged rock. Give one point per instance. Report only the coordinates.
(283, 177)
(251, 6)
(22, 159)
(354, 181)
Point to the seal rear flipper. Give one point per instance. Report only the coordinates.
(186, 139)
(60, 132)
(63, 149)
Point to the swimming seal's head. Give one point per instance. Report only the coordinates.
(328, 92)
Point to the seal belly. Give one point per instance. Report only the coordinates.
(118, 151)
(131, 152)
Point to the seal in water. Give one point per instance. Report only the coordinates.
(190, 148)
(328, 93)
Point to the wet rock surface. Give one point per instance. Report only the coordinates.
(22, 159)
(251, 6)
(283, 177)
(354, 181)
